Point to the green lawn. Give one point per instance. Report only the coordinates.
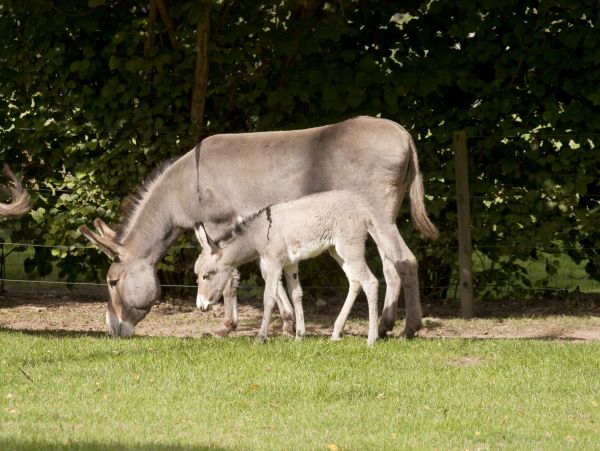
(154, 393)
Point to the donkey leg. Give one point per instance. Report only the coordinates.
(293, 283)
(283, 304)
(407, 271)
(392, 293)
(273, 274)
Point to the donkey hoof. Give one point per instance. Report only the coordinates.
(288, 329)
(336, 337)
(222, 332)
(261, 339)
(410, 332)
(384, 328)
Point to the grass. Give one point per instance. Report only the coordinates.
(82, 392)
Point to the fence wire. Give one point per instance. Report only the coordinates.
(570, 278)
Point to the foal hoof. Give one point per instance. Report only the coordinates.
(261, 339)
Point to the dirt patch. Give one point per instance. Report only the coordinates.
(552, 319)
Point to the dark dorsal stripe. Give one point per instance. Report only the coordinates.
(240, 227)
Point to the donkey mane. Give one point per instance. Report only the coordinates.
(240, 227)
(134, 200)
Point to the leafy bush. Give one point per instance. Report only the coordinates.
(93, 98)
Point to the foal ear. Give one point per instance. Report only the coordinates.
(105, 244)
(205, 240)
(104, 230)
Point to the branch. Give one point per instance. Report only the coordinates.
(169, 23)
(200, 86)
(305, 15)
(151, 39)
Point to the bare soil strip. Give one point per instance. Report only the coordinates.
(551, 319)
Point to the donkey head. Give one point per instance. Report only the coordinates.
(213, 276)
(132, 282)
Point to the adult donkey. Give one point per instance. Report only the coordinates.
(231, 175)
(20, 200)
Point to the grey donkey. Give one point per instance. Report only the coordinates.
(231, 175)
(284, 234)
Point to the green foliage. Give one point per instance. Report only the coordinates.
(89, 108)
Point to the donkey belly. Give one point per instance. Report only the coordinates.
(298, 251)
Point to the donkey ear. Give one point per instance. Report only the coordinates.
(105, 244)
(104, 230)
(205, 240)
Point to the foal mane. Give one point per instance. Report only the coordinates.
(240, 227)
(134, 201)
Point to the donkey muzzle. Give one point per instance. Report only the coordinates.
(117, 327)
(202, 303)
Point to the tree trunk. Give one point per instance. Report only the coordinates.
(199, 88)
(152, 16)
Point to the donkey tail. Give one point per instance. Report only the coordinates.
(417, 196)
(21, 202)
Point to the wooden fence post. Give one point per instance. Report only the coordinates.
(465, 248)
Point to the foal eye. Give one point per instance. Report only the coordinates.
(113, 283)
(206, 277)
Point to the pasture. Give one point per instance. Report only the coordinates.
(64, 384)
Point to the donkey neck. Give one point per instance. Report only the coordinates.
(242, 242)
(238, 251)
(156, 217)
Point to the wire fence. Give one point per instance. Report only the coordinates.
(570, 278)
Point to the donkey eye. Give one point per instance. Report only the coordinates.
(113, 283)
(206, 277)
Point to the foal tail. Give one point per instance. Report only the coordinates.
(417, 196)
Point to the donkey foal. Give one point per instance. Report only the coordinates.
(283, 235)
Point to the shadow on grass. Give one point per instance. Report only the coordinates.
(56, 333)
(22, 445)
(586, 305)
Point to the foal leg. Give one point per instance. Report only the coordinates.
(273, 274)
(359, 276)
(353, 291)
(340, 322)
(404, 267)
(285, 310)
(230, 319)
(283, 304)
(293, 284)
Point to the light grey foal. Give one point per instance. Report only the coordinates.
(283, 235)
